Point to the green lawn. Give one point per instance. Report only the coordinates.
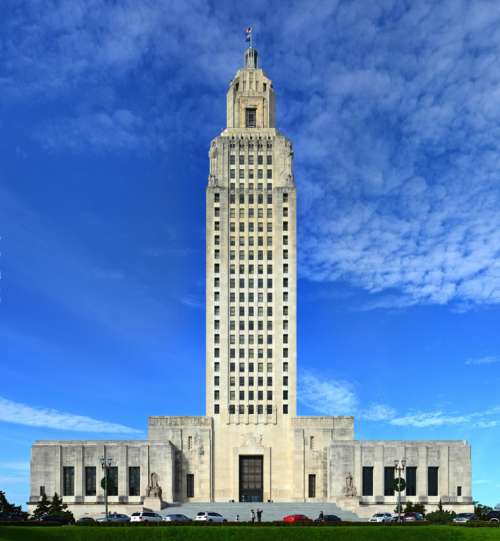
(244, 533)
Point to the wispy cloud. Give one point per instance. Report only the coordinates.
(482, 360)
(192, 301)
(23, 414)
(334, 397)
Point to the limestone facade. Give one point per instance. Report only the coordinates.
(251, 445)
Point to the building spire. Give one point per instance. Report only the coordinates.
(250, 53)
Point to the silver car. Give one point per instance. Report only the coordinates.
(176, 518)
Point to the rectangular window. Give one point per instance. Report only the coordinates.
(134, 481)
(68, 481)
(90, 477)
(459, 491)
(190, 485)
(312, 486)
(411, 481)
(113, 481)
(432, 481)
(269, 409)
(216, 409)
(250, 117)
(389, 481)
(285, 409)
(367, 481)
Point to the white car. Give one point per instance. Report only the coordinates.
(209, 516)
(145, 516)
(381, 517)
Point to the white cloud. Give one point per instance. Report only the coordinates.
(327, 396)
(482, 360)
(336, 397)
(15, 412)
(394, 113)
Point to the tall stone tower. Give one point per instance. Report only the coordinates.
(251, 260)
(251, 446)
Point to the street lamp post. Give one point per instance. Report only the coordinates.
(399, 467)
(106, 464)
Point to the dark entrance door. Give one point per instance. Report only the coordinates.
(251, 478)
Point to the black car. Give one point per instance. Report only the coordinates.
(493, 515)
(63, 518)
(329, 518)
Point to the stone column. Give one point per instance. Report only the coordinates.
(422, 472)
(79, 476)
(122, 471)
(443, 472)
(144, 463)
(378, 472)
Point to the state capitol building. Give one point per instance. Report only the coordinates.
(251, 446)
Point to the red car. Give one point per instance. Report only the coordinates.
(296, 518)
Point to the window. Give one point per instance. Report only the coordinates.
(250, 117)
(269, 409)
(311, 492)
(260, 159)
(389, 481)
(285, 198)
(459, 491)
(42, 490)
(68, 481)
(231, 409)
(134, 481)
(90, 477)
(432, 481)
(411, 481)
(216, 408)
(190, 485)
(311, 443)
(216, 395)
(269, 159)
(113, 481)
(285, 380)
(260, 408)
(216, 197)
(285, 409)
(367, 489)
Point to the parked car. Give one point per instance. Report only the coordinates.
(296, 518)
(328, 518)
(413, 517)
(462, 518)
(62, 518)
(113, 517)
(493, 515)
(85, 520)
(145, 516)
(176, 518)
(381, 517)
(209, 516)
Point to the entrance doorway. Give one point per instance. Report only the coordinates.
(251, 478)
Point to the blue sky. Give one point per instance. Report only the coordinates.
(107, 111)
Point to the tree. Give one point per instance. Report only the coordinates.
(481, 510)
(42, 507)
(412, 507)
(441, 516)
(10, 508)
(59, 508)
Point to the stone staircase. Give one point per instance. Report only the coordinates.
(270, 511)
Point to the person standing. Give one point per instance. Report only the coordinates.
(252, 514)
(321, 516)
(259, 515)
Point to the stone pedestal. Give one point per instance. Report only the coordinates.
(348, 503)
(152, 503)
